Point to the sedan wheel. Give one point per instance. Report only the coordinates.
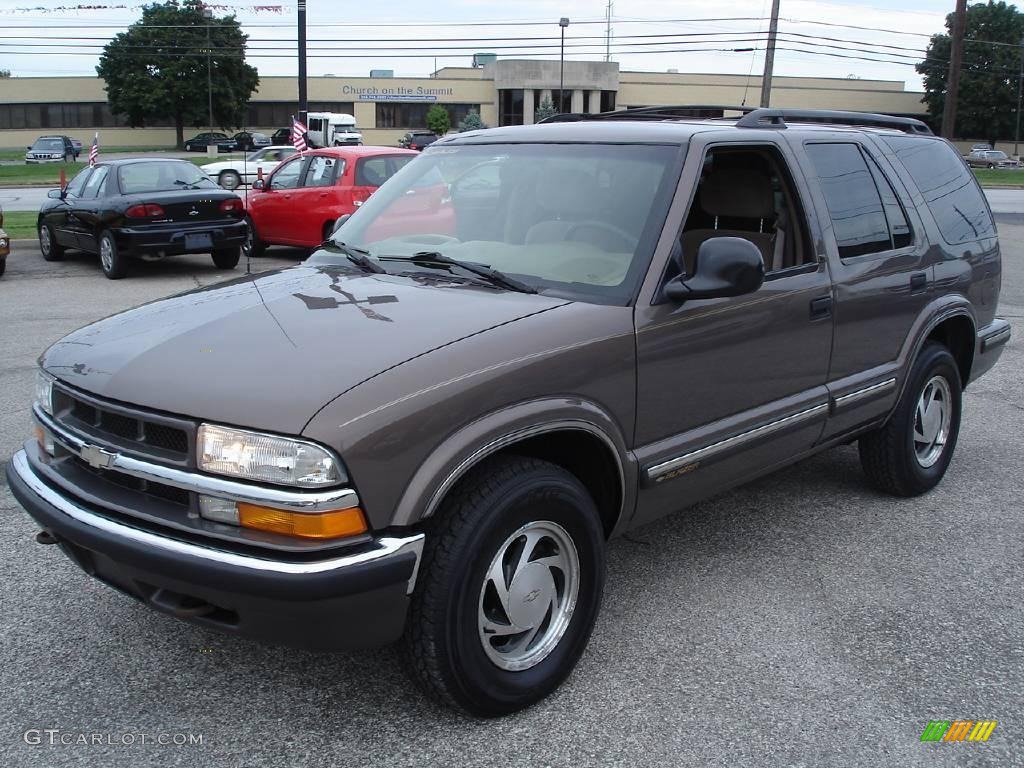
(229, 180)
(48, 245)
(113, 263)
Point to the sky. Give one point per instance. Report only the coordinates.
(648, 35)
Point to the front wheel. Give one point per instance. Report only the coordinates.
(226, 258)
(509, 589)
(253, 247)
(909, 455)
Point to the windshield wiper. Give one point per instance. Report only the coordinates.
(488, 273)
(357, 256)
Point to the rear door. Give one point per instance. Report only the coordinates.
(882, 272)
(315, 201)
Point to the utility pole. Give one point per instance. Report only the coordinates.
(1020, 92)
(608, 32)
(769, 56)
(303, 96)
(953, 80)
(208, 15)
(563, 23)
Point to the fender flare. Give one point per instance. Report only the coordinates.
(466, 447)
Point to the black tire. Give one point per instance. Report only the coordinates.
(229, 179)
(889, 455)
(328, 230)
(442, 646)
(48, 245)
(116, 266)
(3, 265)
(253, 246)
(226, 258)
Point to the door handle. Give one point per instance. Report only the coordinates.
(821, 307)
(918, 282)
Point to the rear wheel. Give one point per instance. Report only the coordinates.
(3, 265)
(509, 588)
(229, 179)
(328, 230)
(226, 258)
(252, 247)
(113, 263)
(910, 454)
(48, 246)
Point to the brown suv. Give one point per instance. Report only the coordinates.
(430, 429)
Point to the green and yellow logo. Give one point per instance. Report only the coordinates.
(958, 730)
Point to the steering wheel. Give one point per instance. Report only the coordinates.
(631, 241)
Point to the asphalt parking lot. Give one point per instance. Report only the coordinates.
(802, 620)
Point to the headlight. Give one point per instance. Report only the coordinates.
(44, 392)
(266, 458)
(3, 242)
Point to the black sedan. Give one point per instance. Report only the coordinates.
(244, 141)
(201, 141)
(146, 208)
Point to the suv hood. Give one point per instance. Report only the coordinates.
(268, 351)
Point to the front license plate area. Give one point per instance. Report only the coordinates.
(198, 241)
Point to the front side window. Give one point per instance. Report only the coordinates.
(321, 171)
(287, 175)
(854, 205)
(950, 190)
(577, 220)
(77, 184)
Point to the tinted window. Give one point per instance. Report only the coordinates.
(854, 205)
(92, 188)
(952, 194)
(78, 183)
(899, 228)
(374, 171)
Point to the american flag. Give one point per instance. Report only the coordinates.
(298, 135)
(94, 150)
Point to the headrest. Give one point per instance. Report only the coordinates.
(737, 192)
(569, 193)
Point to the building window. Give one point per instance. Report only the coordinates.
(278, 114)
(414, 115)
(510, 106)
(565, 103)
(607, 101)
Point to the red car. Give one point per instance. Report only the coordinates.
(299, 202)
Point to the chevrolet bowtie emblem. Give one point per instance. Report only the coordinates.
(193, 212)
(97, 457)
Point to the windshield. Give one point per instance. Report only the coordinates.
(162, 175)
(48, 145)
(578, 220)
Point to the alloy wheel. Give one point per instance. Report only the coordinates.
(528, 596)
(932, 419)
(44, 240)
(106, 254)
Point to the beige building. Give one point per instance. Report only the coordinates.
(504, 92)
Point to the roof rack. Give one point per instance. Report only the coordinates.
(650, 113)
(776, 118)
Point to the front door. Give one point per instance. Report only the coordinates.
(727, 388)
(272, 208)
(65, 227)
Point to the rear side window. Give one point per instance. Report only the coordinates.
(374, 171)
(948, 187)
(854, 205)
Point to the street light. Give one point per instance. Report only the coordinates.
(563, 23)
(208, 15)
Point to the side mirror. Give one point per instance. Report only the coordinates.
(341, 220)
(55, 194)
(259, 184)
(726, 266)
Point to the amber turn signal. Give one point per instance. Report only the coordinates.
(322, 525)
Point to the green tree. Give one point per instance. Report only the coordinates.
(158, 68)
(4, 74)
(545, 110)
(987, 100)
(438, 120)
(472, 122)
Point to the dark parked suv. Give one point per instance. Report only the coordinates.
(430, 429)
